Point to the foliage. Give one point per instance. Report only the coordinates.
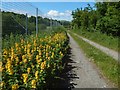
(102, 39)
(104, 18)
(28, 62)
(9, 25)
(66, 24)
(16, 23)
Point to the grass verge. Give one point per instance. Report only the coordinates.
(103, 39)
(105, 63)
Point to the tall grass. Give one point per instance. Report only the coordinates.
(100, 38)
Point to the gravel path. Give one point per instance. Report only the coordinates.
(108, 51)
(86, 73)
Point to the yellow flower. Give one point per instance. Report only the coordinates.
(16, 45)
(37, 57)
(41, 71)
(48, 58)
(21, 62)
(22, 41)
(47, 54)
(12, 50)
(23, 57)
(15, 87)
(28, 46)
(2, 84)
(2, 68)
(30, 57)
(32, 66)
(28, 51)
(12, 53)
(22, 46)
(35, 43)
(28, 70)
(32, 51)
(25, 77)
(61, 53)
(41, 46)
(43, 64)
(25, 60)
(40, 53)
(8, 67)
(17, 60)
(38, 61)
(33, 83)
(36, 74)
(10, 71)
(52, 55)
(34, 48)
(48, 65)
(12, 57)
(5, 52)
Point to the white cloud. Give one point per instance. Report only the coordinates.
(68, 12)
(61, 14)
(66, 15)
(53, 13)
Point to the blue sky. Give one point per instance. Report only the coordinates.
(60, 6)
(60, 10)
(55, 10)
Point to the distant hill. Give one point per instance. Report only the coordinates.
(16, 23)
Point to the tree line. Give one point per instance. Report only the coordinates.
(103, 17)
(16, 23)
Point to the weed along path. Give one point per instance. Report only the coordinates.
(106, 50)
(85, 72)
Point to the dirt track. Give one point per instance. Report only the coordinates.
(106, 50)
(84, 73)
